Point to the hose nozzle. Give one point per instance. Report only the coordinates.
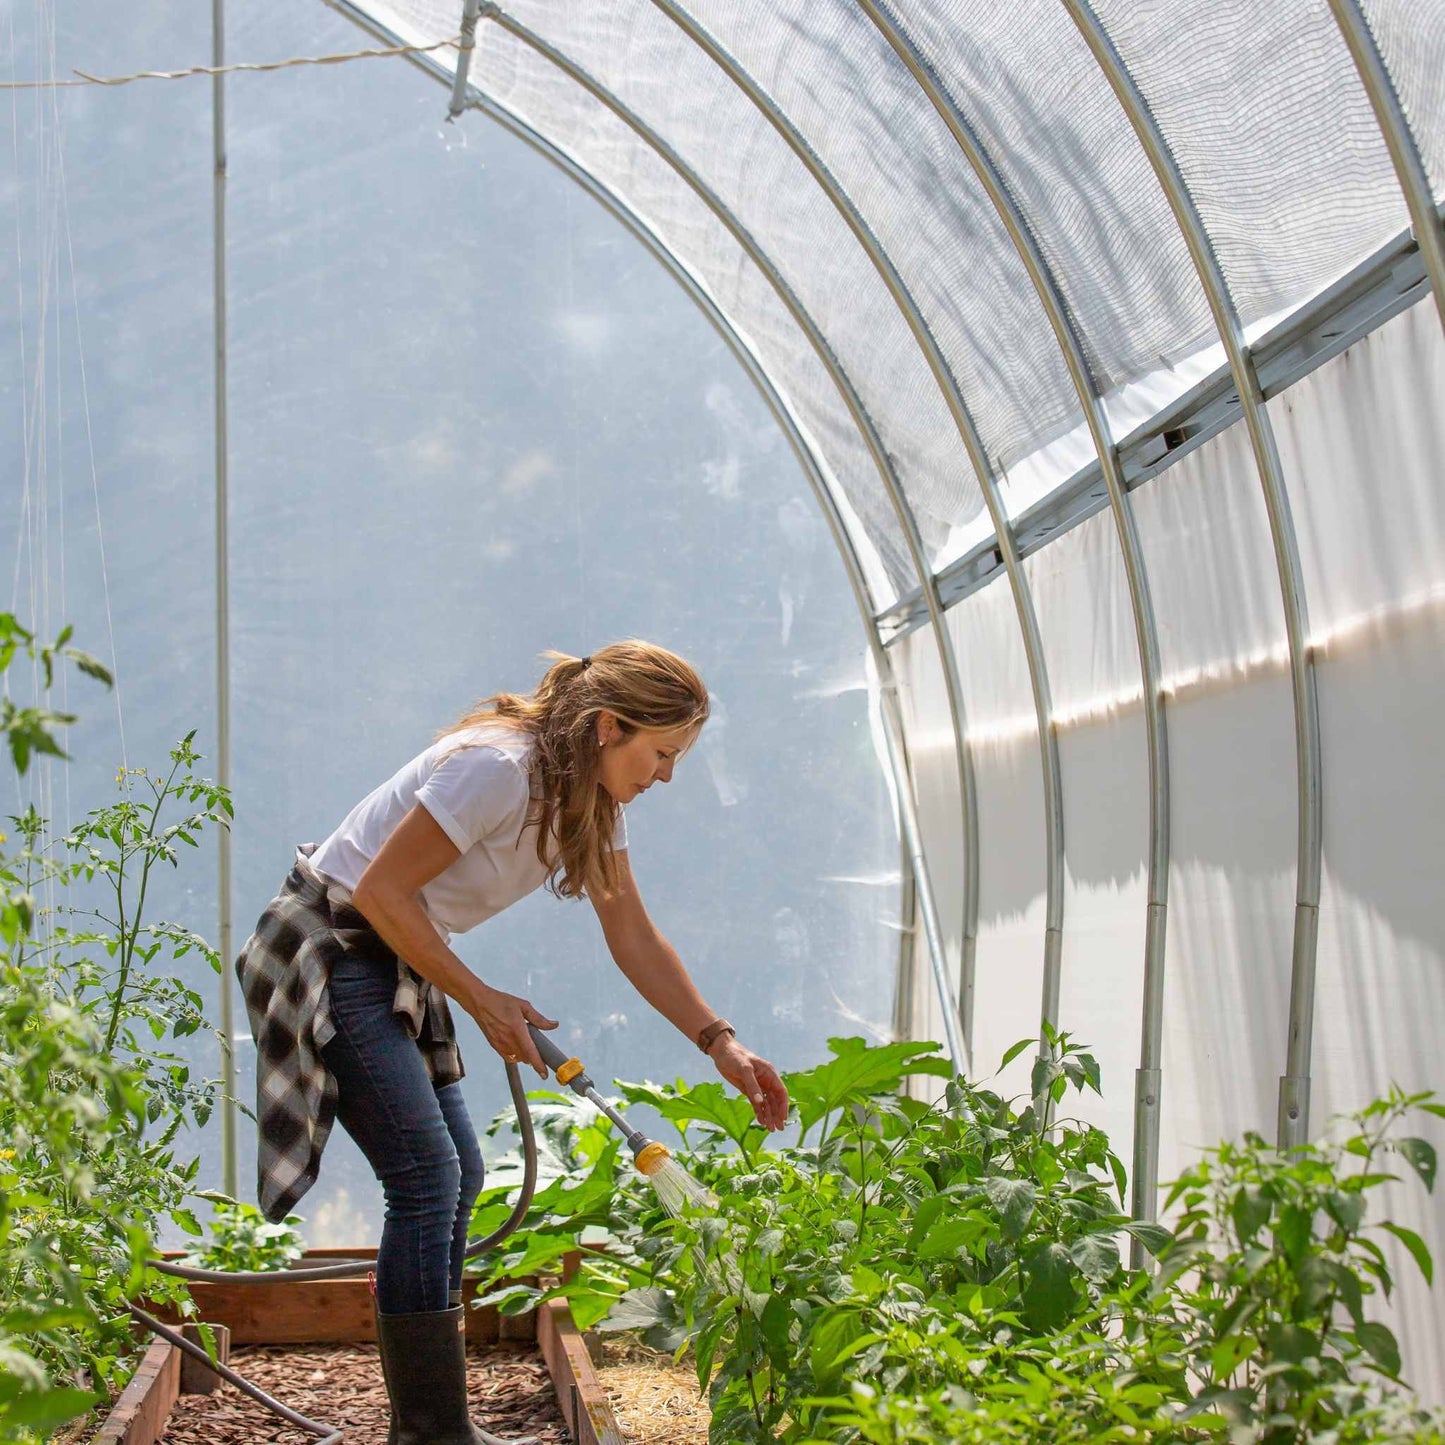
(650, 1158)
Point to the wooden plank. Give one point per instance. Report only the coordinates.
(584, 1402)
(139, 1416)
(330, 1311)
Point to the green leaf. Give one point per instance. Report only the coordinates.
(950, 1235)
(1346, 1208)
(1013, 1051)
(1250, 1211)
(640, 1309)
(1290, 1343)
(45, 1411)
(1048, 1291)
(1097, 1257)
(1229, 1353)
(858, 1071)
(1014, 1199)
(828, 1346)
(1154, 1237)
(1421, 1155)
(776, 1323)
(1419, 1252)
(1380, 1345)
(1293, 1231)
(706, 1103)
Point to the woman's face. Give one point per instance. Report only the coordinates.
(632, 763)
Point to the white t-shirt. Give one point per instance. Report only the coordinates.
(475, 784)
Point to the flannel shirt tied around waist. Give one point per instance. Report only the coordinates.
(285, 969)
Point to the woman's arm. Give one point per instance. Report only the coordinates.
(652, 966)
(387, 893)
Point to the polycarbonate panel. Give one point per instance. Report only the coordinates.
(470, 418)
(1004, 745)
(1361, 441)
(1360, 445)
(1233, 810)
(924, 698)
(1026, 84)
(1082, 598)
(1411, 38)
(1264, 112)
(665, 78)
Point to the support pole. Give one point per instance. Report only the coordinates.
(229, 1172)
(1293, 1115)
(1399, 139)
(470, 10)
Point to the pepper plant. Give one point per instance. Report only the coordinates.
(905, 1272)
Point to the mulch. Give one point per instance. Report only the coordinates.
(510, 1390)
(656, 1401)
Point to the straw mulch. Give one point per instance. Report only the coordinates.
(511, 1394)
(656, 1402)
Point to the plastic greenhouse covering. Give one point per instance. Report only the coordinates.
(1029, 417)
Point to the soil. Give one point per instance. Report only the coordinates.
(656, 1402)
(511, 1394)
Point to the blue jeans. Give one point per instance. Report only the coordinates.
(418, 1139)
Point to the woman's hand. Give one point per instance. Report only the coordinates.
(755, 1077)
(503, 1018)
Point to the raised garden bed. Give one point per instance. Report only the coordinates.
(312, 1345)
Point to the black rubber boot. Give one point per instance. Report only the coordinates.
(424, 1364)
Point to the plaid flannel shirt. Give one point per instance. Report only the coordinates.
(284, 971)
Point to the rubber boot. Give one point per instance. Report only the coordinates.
(424, 1365)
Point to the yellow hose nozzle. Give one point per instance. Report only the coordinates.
(568, 1071)
(651, 1158)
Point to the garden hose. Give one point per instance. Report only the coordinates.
(648, 1156)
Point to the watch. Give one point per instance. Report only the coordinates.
(713, 1032)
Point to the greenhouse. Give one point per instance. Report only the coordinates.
(992, 453)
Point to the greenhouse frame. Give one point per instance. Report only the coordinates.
(1103, 342)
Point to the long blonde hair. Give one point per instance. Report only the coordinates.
(647, 688)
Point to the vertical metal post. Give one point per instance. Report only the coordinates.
(983, 467)
(470, 10)
(229, 1173)
(1066, 332)
(1293, 1119)
(1399, 139)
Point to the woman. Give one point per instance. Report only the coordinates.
(347, 976)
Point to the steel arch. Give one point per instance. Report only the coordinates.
(973, 445)
(1293, 1122)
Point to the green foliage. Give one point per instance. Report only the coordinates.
(958, 1272)
(1276, 1260)
(89, 1107)
(242, 1239)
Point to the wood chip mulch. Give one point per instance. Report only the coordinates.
(656, 1402)
(510, 1391)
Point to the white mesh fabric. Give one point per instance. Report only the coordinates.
(1028, 87)
(1411, 37)
(1272, 130)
